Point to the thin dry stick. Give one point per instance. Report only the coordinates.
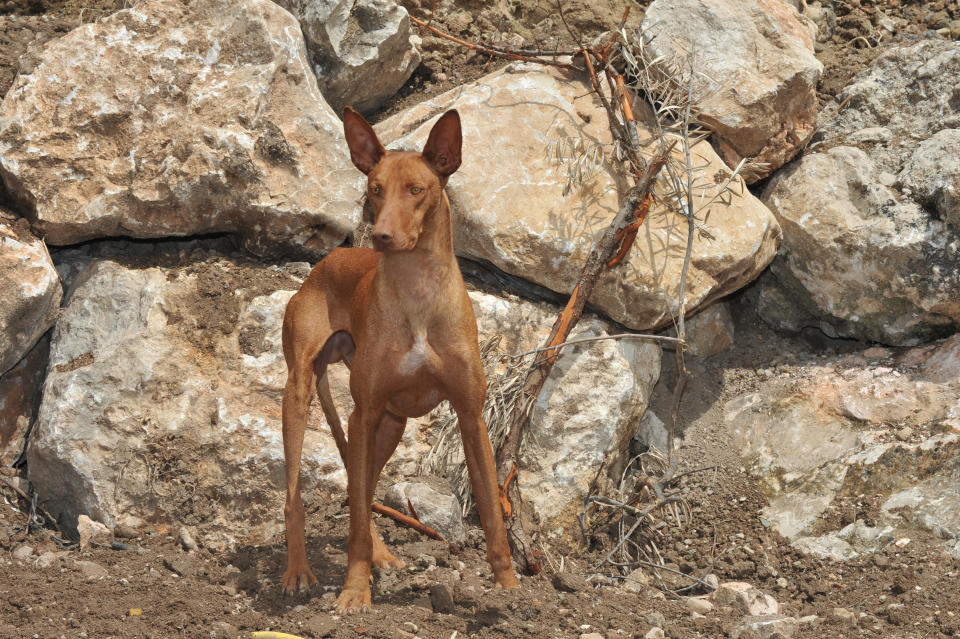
(416, 524)
(508, 460)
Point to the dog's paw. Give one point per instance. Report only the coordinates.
(507, 580)
(386, 561)
(352, 601)
(297, 578)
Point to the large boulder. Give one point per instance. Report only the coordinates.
(871, 246)
(870, 440)
(363, 50)
(176, 118)
(20, 390)
(162, 399)
(30, 291)
(756, 74)
(511, 206)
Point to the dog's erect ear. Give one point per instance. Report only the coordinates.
(365, 148)
(442, 150)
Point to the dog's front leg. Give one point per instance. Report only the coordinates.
(360, 484)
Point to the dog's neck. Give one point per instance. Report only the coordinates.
(425, 270)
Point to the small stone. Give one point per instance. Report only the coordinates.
(591, 635)
(654, 633)
(90, 530)
(47, 559)
(23, 553)
(636, 581)
(179, 564)
(441, 600)
(426, 562)
(698, 605)
(712, 581)
(569, 582)
(656, 619)
(91, 570)
(905, 433)
(186, 540)
(125, 532)
(782, 582)
(844, 615)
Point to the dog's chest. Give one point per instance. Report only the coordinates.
(419, 358)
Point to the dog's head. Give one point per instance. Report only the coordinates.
(403, 186)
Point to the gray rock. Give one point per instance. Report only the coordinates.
(209, 120)
(30, 289)
(363, 51)
(435, 505)
(757, 74)
(441, 599)
(765, 627)
(886, 211)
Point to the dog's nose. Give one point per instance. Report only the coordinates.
(382, 238)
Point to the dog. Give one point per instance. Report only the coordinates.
(399, 317)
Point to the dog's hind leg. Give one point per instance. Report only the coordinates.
(303, 337)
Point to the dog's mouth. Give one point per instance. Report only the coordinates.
(392, 246)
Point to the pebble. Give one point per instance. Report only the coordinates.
(186, 540)
(712, 581)
(905, 433)
(125, 532)
(654, 633)
(656, 619)
(47, 559)
(91, 570)
(591, 635)
(695, 604)
(23, 553)
(441, 600)
(569, 582)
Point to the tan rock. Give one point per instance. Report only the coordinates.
(756, 72)
(30, 291)
(509, 206)
(745, 598)
(90, 530)
(175, 118)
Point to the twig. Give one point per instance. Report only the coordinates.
(416, 524)
(587, 340)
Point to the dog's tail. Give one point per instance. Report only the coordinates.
(330, 412)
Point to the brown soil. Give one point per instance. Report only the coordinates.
(909, 591)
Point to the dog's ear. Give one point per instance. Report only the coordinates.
(365, 148)
(442, 150)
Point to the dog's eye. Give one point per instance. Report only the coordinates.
(375, 189)
(416, 190)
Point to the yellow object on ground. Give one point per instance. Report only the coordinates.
(269, 634)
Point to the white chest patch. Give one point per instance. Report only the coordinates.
(416, 358)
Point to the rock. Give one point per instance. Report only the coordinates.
(710, 331)
(48, 559)
(652, 434)
(91, 570)
(527, 227)
(565, 445)
(654, 633)
(29, 291)
(20, 390)
(886, 210)
(186, 539)
(181, 565)
(363, 50)
(90, 530)
(745, 598)
(177, 369)
(591, 635)
(435, 505)
(656, 619)
(824, 433)
(569, 582)
(712, 581)
(765, 627)
(931, 176)
(441, 599)
(23, 553)
(176, 118)
(698, 605)
(756, 72)
(125, 532)
(637, 581)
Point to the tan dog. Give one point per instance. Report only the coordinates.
(400, 317)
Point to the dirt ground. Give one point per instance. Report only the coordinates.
(145, 585)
